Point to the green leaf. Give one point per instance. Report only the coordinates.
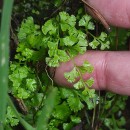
(85, 21)
(58, 99)
(88, 101)
(69, 40)
(35, 101)
(49, 27)
(65, 18)
(91, 26)
(121, 121)
(62, 111)
(72, 21)
(81, 35)
(52, 45)
(73, 31)
(35, 41)
(103, 36)
(63, 57)
(108, 104)
(66, 21)
(72, 75)
(75, 119)
(64, 26)
(82, 43)
(86, 68)
(105, 45)
(28, 53)
(57, 57)
(23, 81)
(108, 122)
(67, 126)
(18, 74)
(31, 84)
(27, 27)
(90, 82)
(65, 93)
(90, 93)
(80, 84)
(75, 50)
(53, 62)
(94, 44)
(75, 104)
(53, 48)
(54, 123)
(22, 93)
(11, 118)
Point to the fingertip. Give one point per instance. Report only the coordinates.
(116, 13)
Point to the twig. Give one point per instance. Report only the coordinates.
(49, 75)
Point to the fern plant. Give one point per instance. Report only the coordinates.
(58, 40)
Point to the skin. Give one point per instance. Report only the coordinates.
(116, 12)
(111, 69)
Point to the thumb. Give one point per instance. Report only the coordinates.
(116, 12)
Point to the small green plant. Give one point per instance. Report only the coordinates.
(59, 39)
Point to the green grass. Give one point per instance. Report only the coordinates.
(4, 57)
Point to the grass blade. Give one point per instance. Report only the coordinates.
(46, 111)
(4, 57)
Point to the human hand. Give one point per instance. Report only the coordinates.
(111, 69)
(116, 12)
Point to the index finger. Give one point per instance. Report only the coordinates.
(116, 12)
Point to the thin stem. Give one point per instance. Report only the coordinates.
(52, 83)
(117, 38)
(94, 113)
(87, 117)
(99, 106)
